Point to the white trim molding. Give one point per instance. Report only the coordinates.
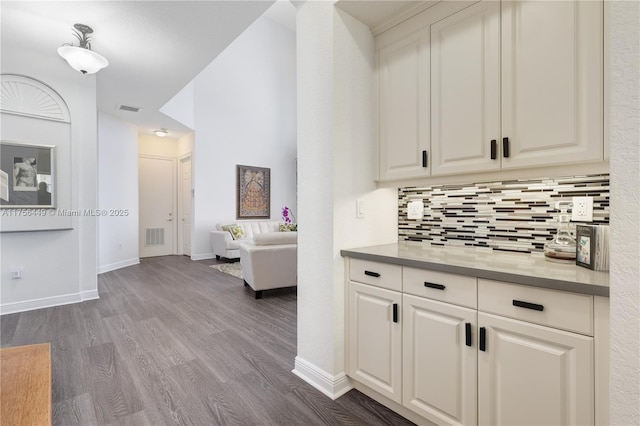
(118, 265)
(27, 96)
(333, 386)
(48, 302)
(202, 256)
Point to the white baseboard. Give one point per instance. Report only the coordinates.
(202, 256)
(47, 302)
(113, 266)
(333, 386)
(89, 295)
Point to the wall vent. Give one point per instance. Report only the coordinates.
(128, 108)
(154, 237)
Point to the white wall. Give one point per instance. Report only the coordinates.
(117, 190)
(624, 116)
(180, 107)
(336, 156)
(58, 266)
(185, 144)
(244, 114)
(154, 145)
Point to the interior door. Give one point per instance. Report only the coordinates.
(157, 206)
(184, 208)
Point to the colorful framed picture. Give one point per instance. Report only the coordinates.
(253, 189)
(27, 175)
(585, 246)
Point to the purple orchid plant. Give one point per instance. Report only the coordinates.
(289, 218)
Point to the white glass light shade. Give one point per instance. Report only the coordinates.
(83, 60)
(161, 133)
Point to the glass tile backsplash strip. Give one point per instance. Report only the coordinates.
(518, 216)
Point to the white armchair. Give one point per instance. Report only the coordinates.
(270, 261)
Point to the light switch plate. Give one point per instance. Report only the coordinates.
(359, 208)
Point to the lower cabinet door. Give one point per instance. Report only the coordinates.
(440, 361)
(533, 375)
(375, 339)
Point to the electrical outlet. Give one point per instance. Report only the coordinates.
(582, 210)
(415, 209)
(16, 272)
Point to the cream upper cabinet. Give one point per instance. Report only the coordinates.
(465, 90)
(530, 374)
(491, 85)
(375, 339)
(403, 78)
(552, 82)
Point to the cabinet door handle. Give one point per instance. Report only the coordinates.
(372, 274)
(395, 312)
(527, 305)
(494, 149)
(434, 285)
(424, 159)
(467, 334)
(505, 147)
(482, 345)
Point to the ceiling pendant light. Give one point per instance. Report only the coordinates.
(161, 133)
(82, 58)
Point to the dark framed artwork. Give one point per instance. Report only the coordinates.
(253, 188)
(27, 175)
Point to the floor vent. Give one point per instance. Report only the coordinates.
(154, 237)
(128, 108)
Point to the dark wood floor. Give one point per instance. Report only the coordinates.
(172, 341)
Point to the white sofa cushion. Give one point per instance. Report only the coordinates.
(275, 238)
(224, 246)
(253, 227)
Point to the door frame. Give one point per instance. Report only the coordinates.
(174, 198)
(180, 239)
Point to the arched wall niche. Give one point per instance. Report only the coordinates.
(35, 122)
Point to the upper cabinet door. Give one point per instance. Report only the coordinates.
(404, 107)
(465, 90)
(552, 84)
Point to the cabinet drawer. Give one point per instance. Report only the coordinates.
(450, 288)
(383, 275)
(559, 309)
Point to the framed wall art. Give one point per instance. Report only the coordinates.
(27, 175)
(253, 189)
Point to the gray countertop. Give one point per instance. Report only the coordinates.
(517, 268)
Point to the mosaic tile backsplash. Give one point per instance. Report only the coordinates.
(518, 216)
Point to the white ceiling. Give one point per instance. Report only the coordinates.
(154, 48)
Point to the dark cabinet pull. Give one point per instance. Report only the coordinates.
(494, 149)
(467, 334)
(527, 305)
(395, 312)
(505, 147)
(434, 285)
(482, 345)
(372, 274)
(424, 159)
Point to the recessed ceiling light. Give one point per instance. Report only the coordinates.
(161, 133)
